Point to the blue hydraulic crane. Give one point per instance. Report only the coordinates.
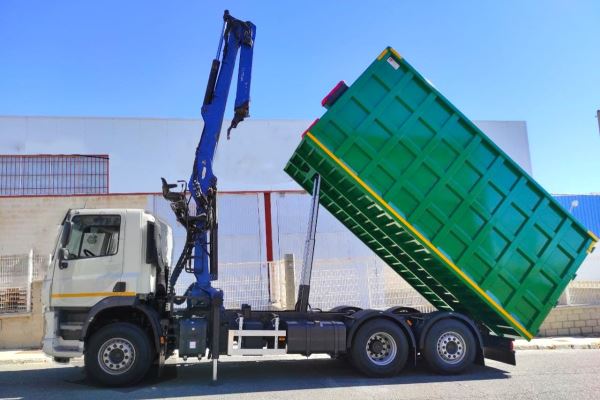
(200, 252)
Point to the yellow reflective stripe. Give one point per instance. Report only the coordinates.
(91, 294)
(420, 236)
(383, 53)
(594, 241)
(394, 52)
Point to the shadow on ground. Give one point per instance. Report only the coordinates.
(234, 377)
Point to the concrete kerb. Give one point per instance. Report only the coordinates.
(23, 357)
(557, 343)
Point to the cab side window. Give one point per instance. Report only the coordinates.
(93, 236)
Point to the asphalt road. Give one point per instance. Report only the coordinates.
(546, 374)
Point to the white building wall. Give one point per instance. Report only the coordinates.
(142, 150)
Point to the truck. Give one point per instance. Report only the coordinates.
(109, 294)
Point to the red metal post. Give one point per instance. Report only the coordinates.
(268, 227)
(268, 240)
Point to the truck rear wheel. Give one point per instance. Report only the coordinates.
(118, 354)
(449, 347)
(379, 348)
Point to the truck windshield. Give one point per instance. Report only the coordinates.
(93, 236)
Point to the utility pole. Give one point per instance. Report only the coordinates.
(598, 118)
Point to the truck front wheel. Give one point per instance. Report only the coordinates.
(118, 354)
(449, 347)
(379, 348)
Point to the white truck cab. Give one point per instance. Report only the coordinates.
(102, 256)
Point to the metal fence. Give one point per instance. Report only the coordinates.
(364, 282)
(16, 275)
(17, 272)
(39, 175)
(334, 282)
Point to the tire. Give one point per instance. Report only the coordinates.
(118, 354)
(450, 347)
(373, 360)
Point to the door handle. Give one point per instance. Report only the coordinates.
(63, 265)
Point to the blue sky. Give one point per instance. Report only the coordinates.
(509, 60)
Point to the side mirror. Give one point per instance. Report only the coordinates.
(63, 254)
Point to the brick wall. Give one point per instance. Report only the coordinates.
(572, 321)
(32, 222)
(23, 331)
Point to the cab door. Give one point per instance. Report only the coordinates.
(90, 263)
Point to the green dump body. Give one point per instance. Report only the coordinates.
(439, 202)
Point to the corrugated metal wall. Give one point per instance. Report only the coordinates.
(290, 218)
(244, 274)
(586, 208)
(242, 228)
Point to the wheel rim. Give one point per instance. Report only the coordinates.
(451, 347)
(116, 356)
(381, 348)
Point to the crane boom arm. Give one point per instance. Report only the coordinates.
(236, 35)
(200, 254)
